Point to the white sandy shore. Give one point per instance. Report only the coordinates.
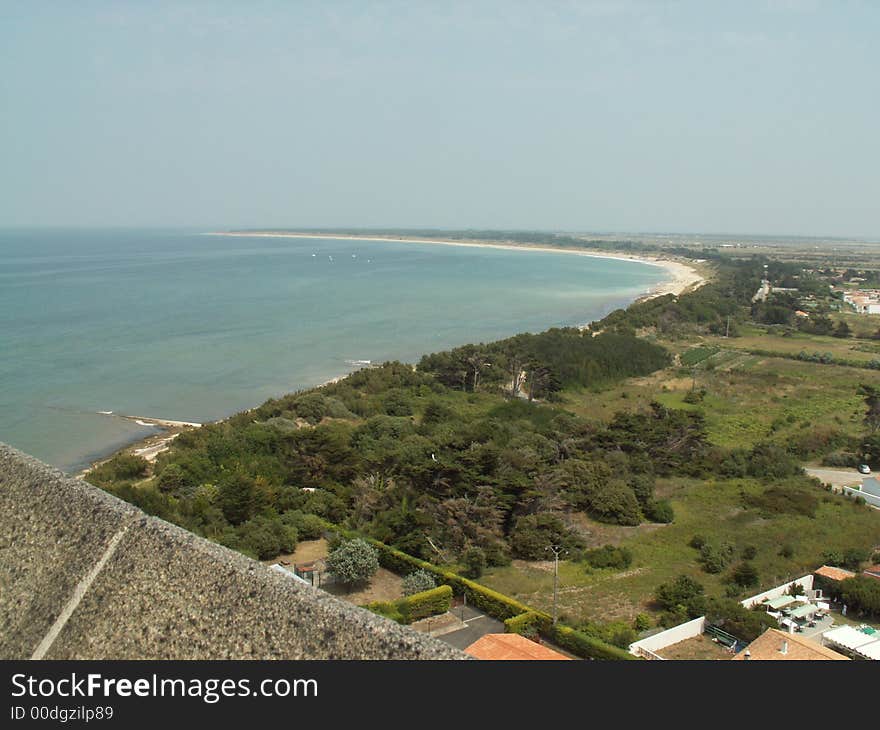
(683, 277)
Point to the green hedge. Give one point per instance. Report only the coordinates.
(494, 603)
(427, 603)
(586, 646)
(528, 624)
(387, 609)
(497, 604)
(414, 607)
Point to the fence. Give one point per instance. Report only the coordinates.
(649, 646)
(805, 582)
(869, 498)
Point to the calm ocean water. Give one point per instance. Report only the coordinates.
(177, 325)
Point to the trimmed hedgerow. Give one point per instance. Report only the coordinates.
(499, 606)
(586, 646)
(424, 604)
(528, 624)
(387, 609)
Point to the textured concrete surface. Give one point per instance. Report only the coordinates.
(162, 593)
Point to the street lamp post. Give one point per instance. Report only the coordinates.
(557, 550)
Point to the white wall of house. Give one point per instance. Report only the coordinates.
(806, 582)
(669, 637)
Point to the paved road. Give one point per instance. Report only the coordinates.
(477, 624)
(837, 477)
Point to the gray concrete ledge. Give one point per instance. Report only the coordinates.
(161, 592)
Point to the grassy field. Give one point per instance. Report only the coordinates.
(660, 553)
(748, 399)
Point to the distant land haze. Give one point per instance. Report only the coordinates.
(177, 325)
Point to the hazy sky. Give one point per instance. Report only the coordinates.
(752, 117)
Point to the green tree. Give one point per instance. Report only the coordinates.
(534, 533)
(745, 575)
(172, 479)
(680, 592)
(474, 560)
(237, 498)
(354, 562)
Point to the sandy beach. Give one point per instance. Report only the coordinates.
(682, 276)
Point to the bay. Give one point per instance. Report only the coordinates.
(178, 325)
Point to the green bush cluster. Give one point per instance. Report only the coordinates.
(608, 556)
(415, 607)
(529, 624)
(418, 581)
(583, 645)
(424, 604)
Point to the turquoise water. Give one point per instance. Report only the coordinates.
(177, 325)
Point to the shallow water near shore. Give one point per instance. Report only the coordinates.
(177, 325)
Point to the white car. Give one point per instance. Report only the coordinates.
(864, 469)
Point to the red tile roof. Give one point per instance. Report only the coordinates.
(496, 647)
(769, 646)
(832, 573)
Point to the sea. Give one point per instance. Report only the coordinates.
(178, 325)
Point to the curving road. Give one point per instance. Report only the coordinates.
(837, 477)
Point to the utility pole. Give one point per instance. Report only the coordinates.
(556, 550)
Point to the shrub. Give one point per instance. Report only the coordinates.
(312, 407)
(749, 552)
(697, 541)
(474, 560)
(787, 551)
(695, 396)
(734, 618)
(527, 624)
(614, 502)
(784, 500)
(642, 622)
(862, 594)
(387, 609)
(584, 645)
(266, 537)
(683, 592)
(660, 511)
(716, 557)
(418, 581)
(309, 527)
(854, 557)
(173, 479)
(354, 562)
(609, 557)
(745, 575)
(534, 533)
(426, 603)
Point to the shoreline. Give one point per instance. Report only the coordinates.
(683, 277)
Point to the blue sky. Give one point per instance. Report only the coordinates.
(745, 117)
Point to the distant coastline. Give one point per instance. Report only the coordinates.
(683, 277)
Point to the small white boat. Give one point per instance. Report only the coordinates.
(106, 413)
